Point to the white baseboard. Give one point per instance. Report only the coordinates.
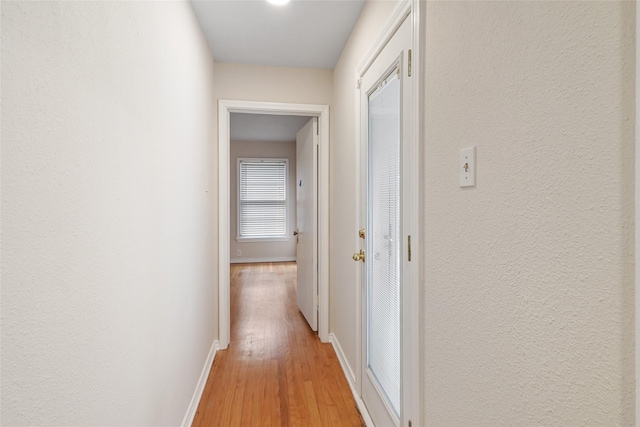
(263, 259)
(197, 394)
(351, 379)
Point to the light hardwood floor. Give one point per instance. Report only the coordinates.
(276, 372)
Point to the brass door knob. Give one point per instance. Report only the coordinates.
(359, 256)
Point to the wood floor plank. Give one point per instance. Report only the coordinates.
(276, 372)
(238, 399)
(312, 403)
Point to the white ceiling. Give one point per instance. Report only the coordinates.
(265, 127)
(303, 33)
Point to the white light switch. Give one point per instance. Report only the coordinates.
(468, 167)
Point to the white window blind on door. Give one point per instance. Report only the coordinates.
(262, 198)
(383, 262)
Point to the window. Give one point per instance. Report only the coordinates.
(262, 198)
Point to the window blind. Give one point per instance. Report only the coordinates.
(383, 263)
(262, 198)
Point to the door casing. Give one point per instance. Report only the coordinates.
(225, 108)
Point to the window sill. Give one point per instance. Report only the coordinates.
(262, 239)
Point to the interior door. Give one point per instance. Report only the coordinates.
(307, 221)
(385, 99)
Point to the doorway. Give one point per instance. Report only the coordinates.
(321, 112)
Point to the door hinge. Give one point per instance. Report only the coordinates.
(409, 66)
(358, 83)
(409, 248)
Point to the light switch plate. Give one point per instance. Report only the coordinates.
(468, 167)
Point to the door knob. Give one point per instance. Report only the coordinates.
(359, 256)
(295, 233)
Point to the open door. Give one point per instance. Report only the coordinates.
(307, 221)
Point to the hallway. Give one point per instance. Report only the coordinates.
(275, 371)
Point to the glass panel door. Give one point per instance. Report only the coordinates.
(385, 99)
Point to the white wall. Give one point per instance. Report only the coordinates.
(273, 84)
(263, 251)
(529, 292)
(637, 219)
(344, 240)
(529, 297)
(108, 299)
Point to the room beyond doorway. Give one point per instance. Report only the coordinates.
(263, 167)
(225, 109)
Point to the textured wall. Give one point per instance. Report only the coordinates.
(273, 84)
(108, 306)
(265, 250)
(344, 239)
(529, 294)
(637, 219)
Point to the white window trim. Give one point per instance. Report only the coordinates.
(258, 239)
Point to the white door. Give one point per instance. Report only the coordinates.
(385, 102)
(306, 221)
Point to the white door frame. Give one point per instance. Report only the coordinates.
(412, 374)
(225, 108)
